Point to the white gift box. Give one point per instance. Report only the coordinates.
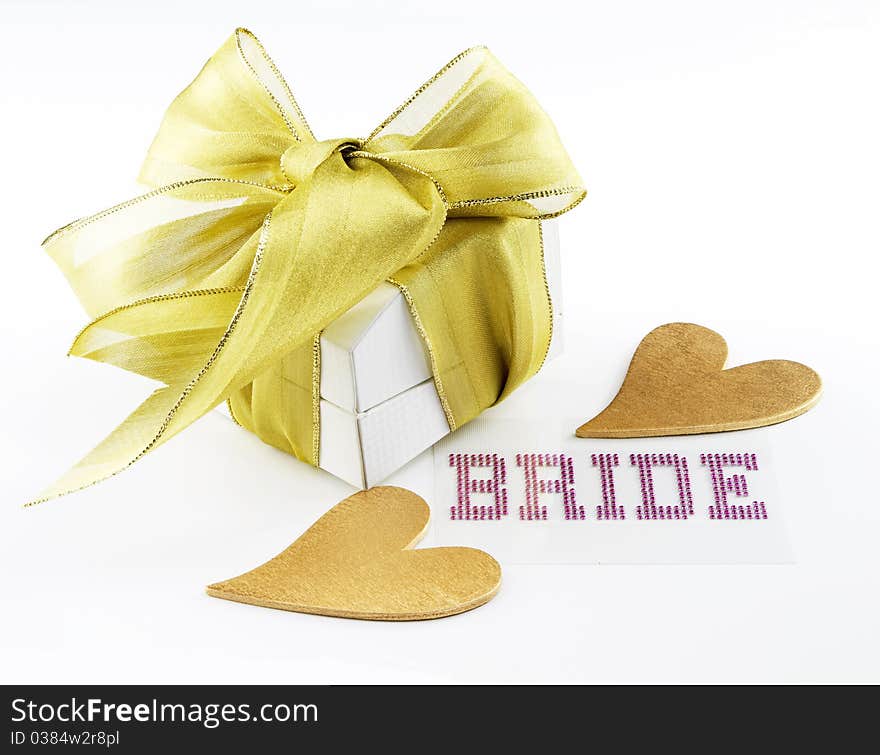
(379, 405)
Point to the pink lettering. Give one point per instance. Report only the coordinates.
(535, 486)
(469, 485)
(736, 484)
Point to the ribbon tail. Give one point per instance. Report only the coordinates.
(127, 443)
(165, 338)
(153, 422)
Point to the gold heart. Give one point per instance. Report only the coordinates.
(356, 562)
(677, 385)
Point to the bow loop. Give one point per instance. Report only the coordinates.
(485, 139)
(233, 121)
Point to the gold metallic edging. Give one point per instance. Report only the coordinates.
(542, 194)
(450, 102)
(157, 298)
(420, 327)
(271, 63)
(232, 413)
(549, 298)
(316, 400)
(88, 220)
(415, 95)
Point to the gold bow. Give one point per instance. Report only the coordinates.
(219, 281)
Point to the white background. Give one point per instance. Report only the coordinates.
(731, 153)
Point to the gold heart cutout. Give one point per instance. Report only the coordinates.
(677, 385)
(357, 562)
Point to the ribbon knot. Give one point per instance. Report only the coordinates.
(300, 160)
(218, 282)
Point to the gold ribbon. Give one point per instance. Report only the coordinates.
(219, 282)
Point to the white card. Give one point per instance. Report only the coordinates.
(531, 492)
